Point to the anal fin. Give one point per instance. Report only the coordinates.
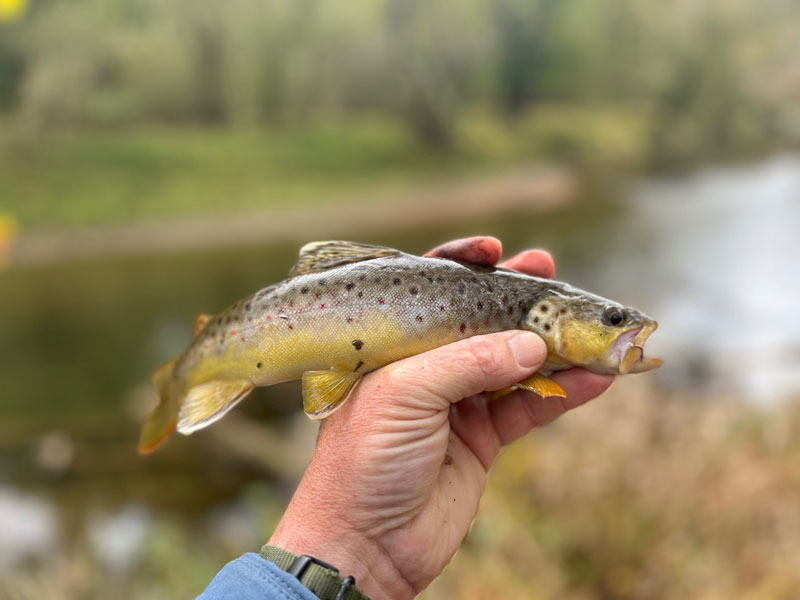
(325, 391)
(209, 401)
(541, 385)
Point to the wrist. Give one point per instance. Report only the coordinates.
(351, 553)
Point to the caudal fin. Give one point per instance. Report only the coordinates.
(163, 419)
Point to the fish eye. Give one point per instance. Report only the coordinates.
(613, 316)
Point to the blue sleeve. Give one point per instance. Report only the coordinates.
(251, 577)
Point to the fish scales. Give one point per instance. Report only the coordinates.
(351, 308)
(372, 314)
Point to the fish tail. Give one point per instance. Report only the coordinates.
(163, 419)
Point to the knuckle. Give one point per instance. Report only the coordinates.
(483, 356)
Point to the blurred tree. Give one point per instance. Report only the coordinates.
(12, 68)
(696, 71)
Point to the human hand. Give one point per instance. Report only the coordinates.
(398, 472)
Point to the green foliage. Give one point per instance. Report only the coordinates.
(710, 78)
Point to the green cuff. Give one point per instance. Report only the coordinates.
(322, 579)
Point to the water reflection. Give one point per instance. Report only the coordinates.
(721, 274)
(29, 527)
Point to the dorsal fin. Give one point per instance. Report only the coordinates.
(319, 256)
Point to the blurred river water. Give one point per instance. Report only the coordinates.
(712, 256)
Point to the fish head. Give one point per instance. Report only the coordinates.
(601, 335)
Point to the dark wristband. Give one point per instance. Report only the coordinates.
(321, 578)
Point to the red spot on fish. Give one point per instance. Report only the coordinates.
(205, 346)
(322, 305)
(463, 327)
(291, 326)
(291, 303)
(233, 331)
(441, 307)
(270, 317)
(419, 318)
(381, 301)
(349, 319)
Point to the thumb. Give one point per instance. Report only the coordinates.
(437, 378)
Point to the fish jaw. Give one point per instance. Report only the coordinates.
(628, 350)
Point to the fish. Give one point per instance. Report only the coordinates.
(348, 308)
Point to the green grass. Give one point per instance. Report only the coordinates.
(96, 178)
(93, 178)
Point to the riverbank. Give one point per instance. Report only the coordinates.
(525, 191)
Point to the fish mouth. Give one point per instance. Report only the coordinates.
(628, 349)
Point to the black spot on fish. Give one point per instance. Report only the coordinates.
(362, 277)
(413, 291)
(323, 281)
(547, 327)
(463, 327)
(259, 365)
(480, 305)
(397, 281)
(419, 318)
(422, 273)
(219, 321)
(474, 280)
(440, 279)
(563, 311)
(535, 319)
(544, 308)
(462, 289)
(349, 286)
(360, 294)
(358, 344)
(490, 288)
(248, 306)
(304, 290)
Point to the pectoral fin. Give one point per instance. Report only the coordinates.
(325, 391)
(209, 401)
(544, 386)
(497, 394)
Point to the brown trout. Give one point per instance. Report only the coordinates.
(348, 309)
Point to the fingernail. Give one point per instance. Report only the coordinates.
(527, 348)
